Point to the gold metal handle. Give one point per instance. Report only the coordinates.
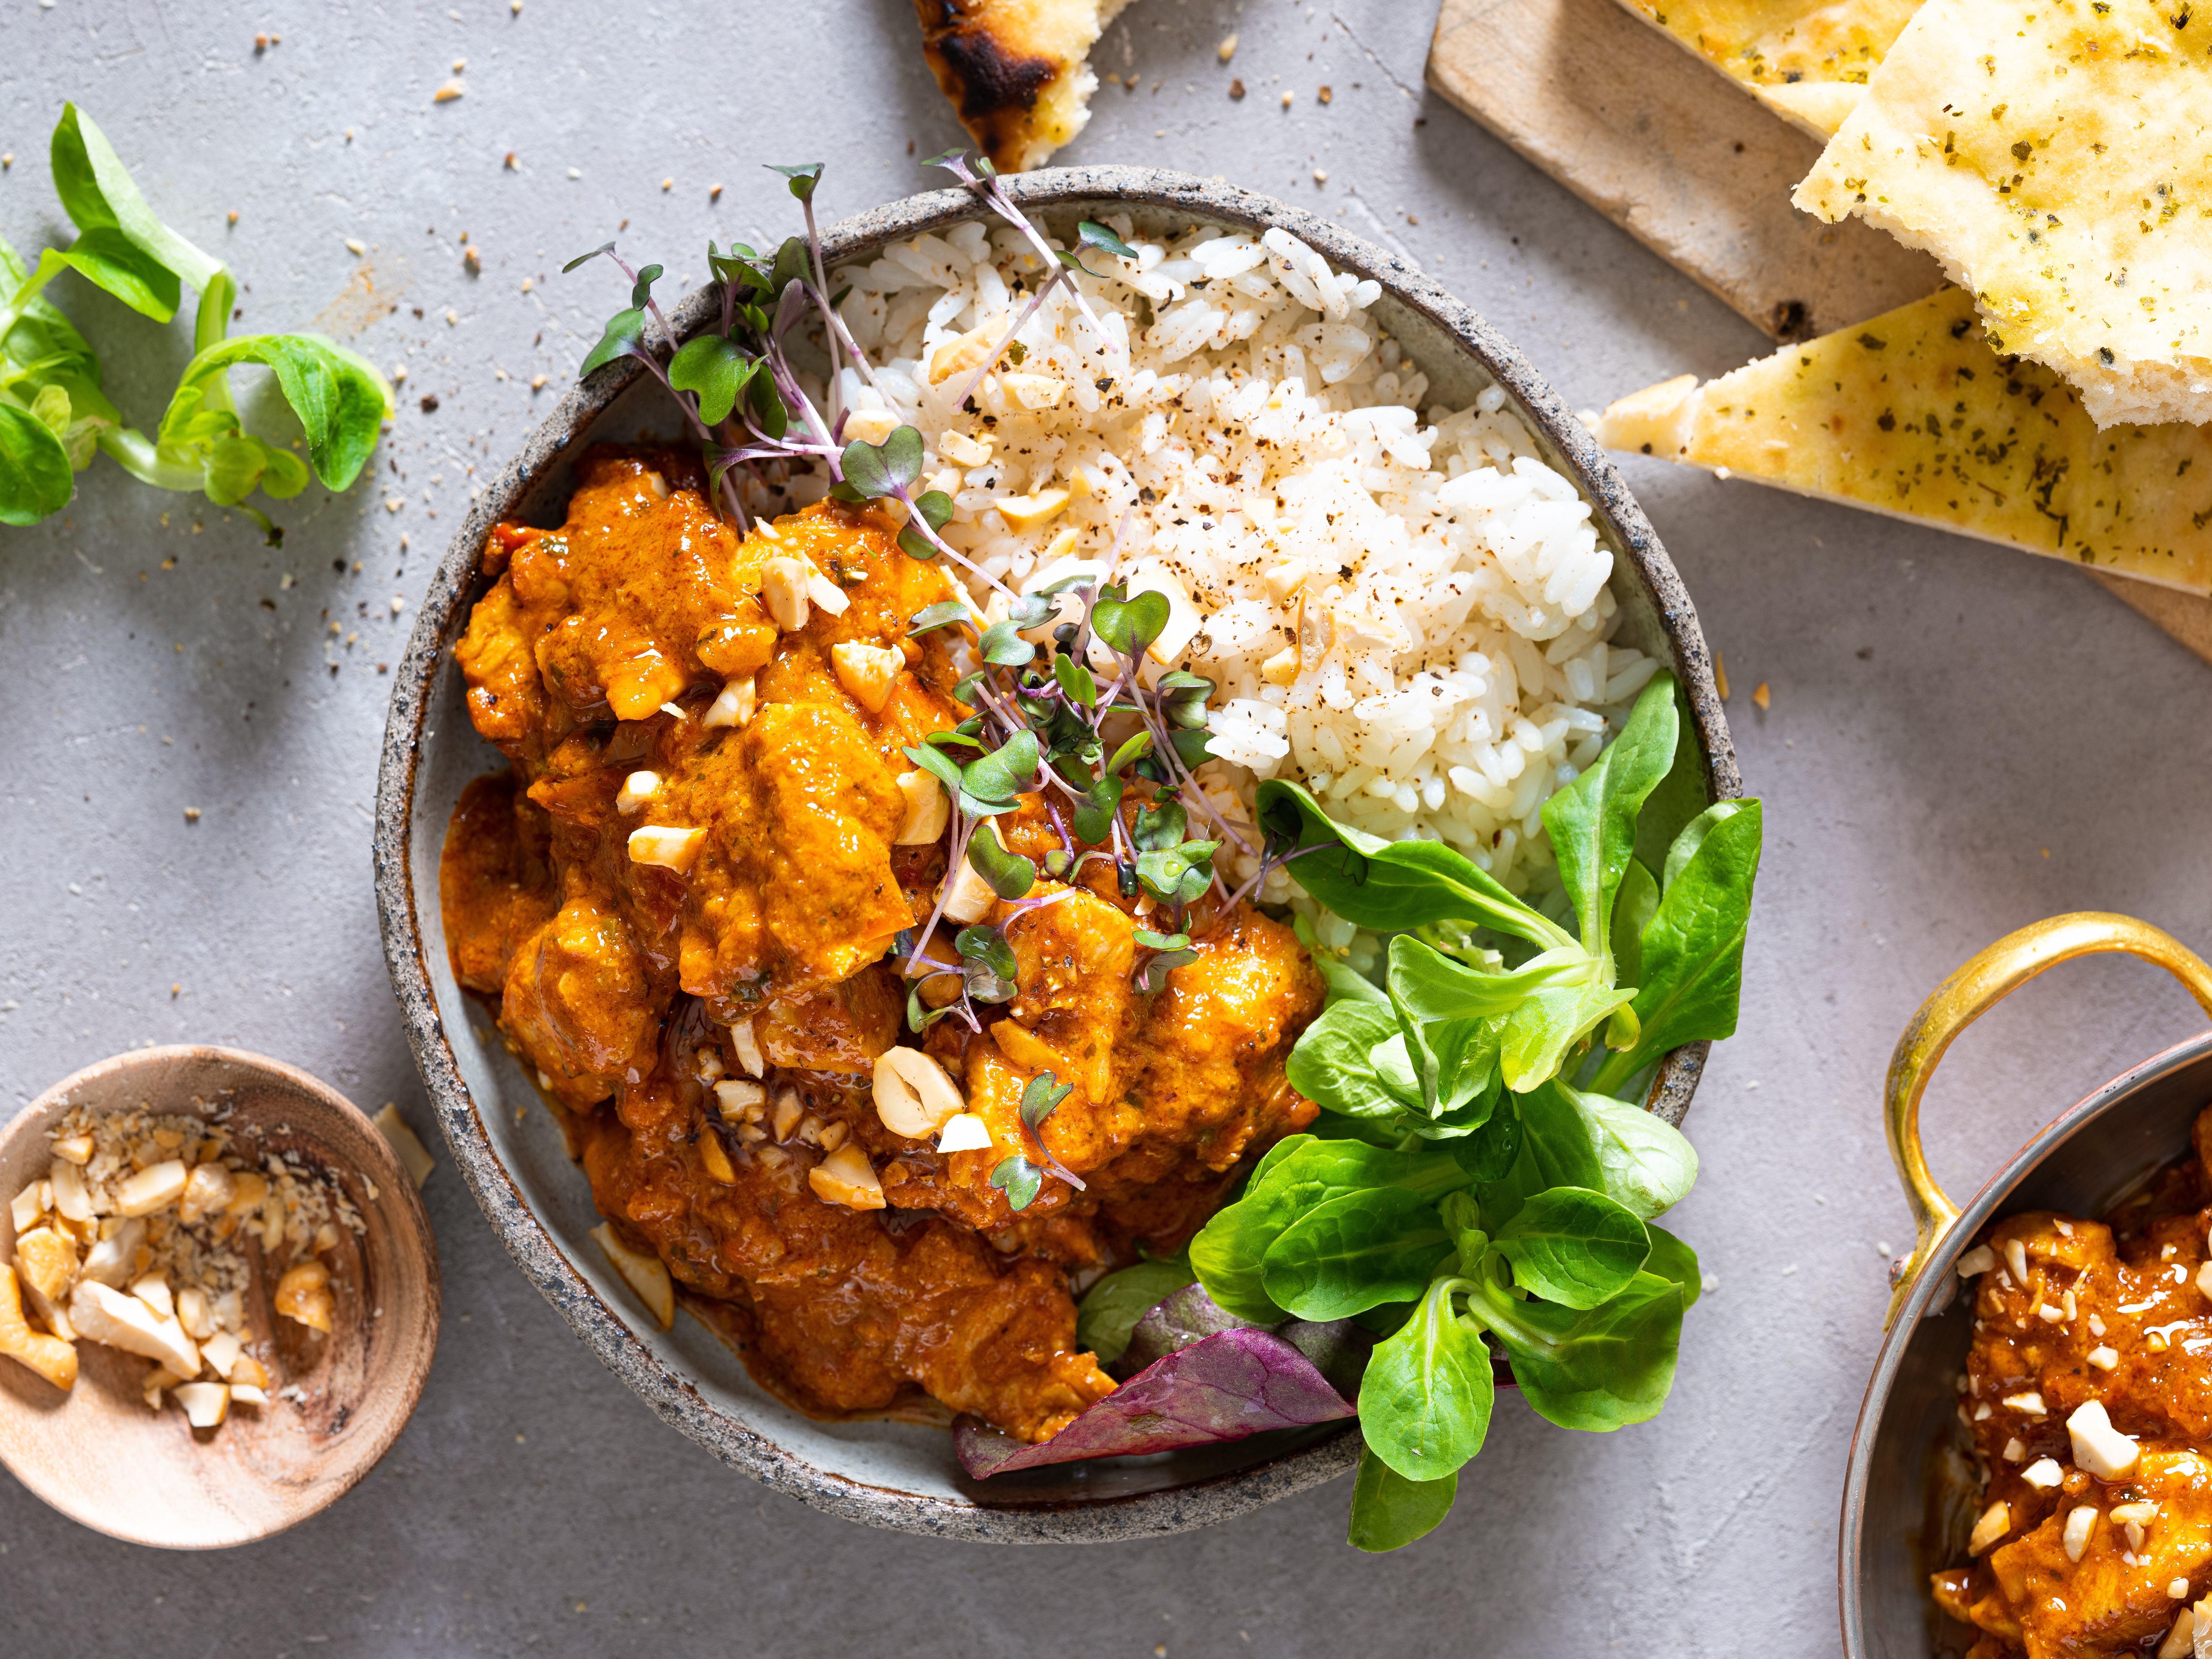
(1961, 1000)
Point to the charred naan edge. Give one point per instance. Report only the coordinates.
(1914, 415)
(1015, 70)
(2054, 156)
(1807, 60)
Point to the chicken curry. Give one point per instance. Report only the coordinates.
(2089, 1396)
(684, 895)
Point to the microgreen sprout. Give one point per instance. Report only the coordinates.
(1020, 1176)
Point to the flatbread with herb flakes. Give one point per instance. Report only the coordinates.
(1913, 415)
(1015, 70)
(2059, 161)
(1807, 61)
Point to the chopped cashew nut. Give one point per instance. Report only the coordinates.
(123, 1322)
(646, 1274)
(869, 426)
(969, 898)
(669, 847)
(783, 591)
(413, 1156)
(928, 809)
(1285, 579)
(734, 707)
(847, 1177)
(1995, 1523)
(46, 1262)
(247, 1369)
(739, 1098)
(71, 1200)
(2044, 1474)
(2030, 1404)
(114, 1257)
(964, 1132)
(966, 450)
(222, 1351)
(788, 1111)
(77, 1148)
(247, 1394)
(303, 1295)
(868, 672)
(206, 1404)
(915, 1096)
(714, 1158)
(2079, 1523)
(1282, 668)
(2179, 1643)
(826, 594)
(154, 1187)
(49, 1355)
(1028, 512)
(1977, 1262)
(2016, 1259)
(637, 788)
(208, 1190)
(748, 1048)
(153, 1290)
(24, 1208)
(2098, 1446)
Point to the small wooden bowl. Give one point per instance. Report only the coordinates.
(100, 1457)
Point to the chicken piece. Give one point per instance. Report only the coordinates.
(1077, 1003)
(2114, 1597)
(841, 1028)
(847, 1309)
(578, 999)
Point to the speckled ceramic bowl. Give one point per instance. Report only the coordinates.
(893, 1474)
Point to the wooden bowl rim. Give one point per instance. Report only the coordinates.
(391, 1178)
(443, 611)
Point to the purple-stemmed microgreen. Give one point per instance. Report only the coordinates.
(1089, 236)
(1020, 1176)
(981, 178)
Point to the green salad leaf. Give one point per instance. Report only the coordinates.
(54, 418)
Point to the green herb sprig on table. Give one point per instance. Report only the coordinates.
(1473, 1194)
(54, 418)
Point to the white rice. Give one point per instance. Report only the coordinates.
(1449, 665)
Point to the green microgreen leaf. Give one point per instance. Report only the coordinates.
(1019, 1180)
(1093, 821)
(935, 761)
(803, 179)
(1177, 875)
(1134, 749)
(1003, 647)
(96, 192)
(943, 614)
(1159, 825)
(1040, 1099)
(640, 291)
(884, 469)
(1130, 625)
(623, 336)
(1010, 875)
(989, 962)
(991, 784)
(715, 368)
(587, 258)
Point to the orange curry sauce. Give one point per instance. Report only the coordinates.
(2073, 1312)
(632, 986)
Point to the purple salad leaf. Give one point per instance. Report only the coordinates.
(1176, 1321)
(1224, 1387)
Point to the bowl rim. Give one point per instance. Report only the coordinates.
(1938, 1279)
(452, 589)
(418, 1237)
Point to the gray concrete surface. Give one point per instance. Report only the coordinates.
(1960, 739)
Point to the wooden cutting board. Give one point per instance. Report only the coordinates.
(1700, 172)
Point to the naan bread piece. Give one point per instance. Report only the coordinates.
(2057, 157)
(1807, 62)
(1015, 70)
(1913, 415)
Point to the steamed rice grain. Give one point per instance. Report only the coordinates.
(1407, 612)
